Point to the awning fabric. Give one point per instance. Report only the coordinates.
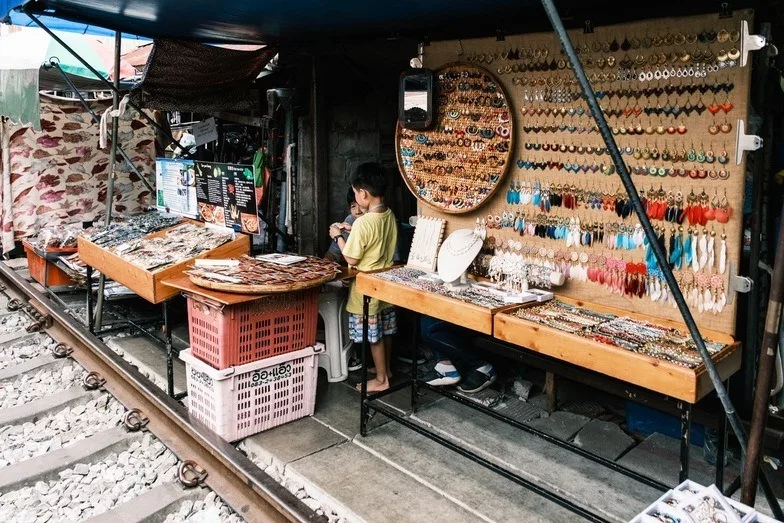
(19, 99)
(252, 21)
(187, 76)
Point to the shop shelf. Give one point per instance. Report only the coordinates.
(240, 401)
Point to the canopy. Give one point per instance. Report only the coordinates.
(317, 20)
(22, 54)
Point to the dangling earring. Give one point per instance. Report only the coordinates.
(687, 248)
(695, 261)
(703, 249)
(711, 251)
(723, 254)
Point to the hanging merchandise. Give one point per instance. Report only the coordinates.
(459, 164)
(671, 101)
(428, 234)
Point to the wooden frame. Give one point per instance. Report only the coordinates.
(666, 378)
(149, 284)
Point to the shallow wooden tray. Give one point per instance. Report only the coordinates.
(149, 284)
(661, 376)
(444, 308)
(241, 288)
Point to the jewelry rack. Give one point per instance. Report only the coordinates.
(673, 99)
(458, 165)
(428, 235)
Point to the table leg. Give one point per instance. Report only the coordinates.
(415, 364)
(363, 409)
(721, 449)
(169, 349)
(685, 409)
(551, 389)
(90, 318)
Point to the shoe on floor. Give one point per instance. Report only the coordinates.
(354, 364)
(441, 379)
(478, 380)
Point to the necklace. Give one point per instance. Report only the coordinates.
(376, 207)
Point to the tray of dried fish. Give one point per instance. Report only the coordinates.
(142, 263)
(255, 276)
(178, 243)
(134, 227)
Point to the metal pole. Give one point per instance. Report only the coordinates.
(97, 120)
(113, 87)
(661, 258)
(765, 370)
(112, 165)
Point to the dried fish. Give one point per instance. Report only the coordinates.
(177, 244)
(251, 271)
(134, 227)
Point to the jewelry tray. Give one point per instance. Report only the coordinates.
(687, 384)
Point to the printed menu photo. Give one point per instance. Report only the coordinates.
(226, 195)
(175, 182)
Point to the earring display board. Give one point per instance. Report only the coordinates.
(672, 91)
(460, 163)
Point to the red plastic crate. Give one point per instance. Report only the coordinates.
(231, 335)
(44, 271)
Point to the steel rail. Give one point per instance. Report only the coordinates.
(245, 487)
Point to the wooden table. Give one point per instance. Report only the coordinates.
(520, 336)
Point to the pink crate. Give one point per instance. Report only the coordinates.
(247, 399)
(226, 336)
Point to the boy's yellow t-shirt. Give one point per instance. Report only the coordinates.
(372, 241)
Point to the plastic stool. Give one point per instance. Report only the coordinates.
(332, 308)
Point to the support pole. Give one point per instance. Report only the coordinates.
(115, 88)
(97, 120)
(112, 165)
(661, 258)
(765, 370)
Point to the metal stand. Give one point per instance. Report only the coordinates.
(685, 409)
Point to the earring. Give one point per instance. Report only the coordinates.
(711, 252)
(723, 254)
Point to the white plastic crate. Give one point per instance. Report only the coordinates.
(239, 401)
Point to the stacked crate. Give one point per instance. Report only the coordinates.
(252, 366)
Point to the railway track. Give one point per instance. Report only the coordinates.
(84, 436)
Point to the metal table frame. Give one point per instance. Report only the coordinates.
(141, 327)
(370, 404)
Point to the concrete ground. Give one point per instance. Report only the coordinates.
(396, 475)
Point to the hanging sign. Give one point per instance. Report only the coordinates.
(175, 187)
(226, 195)
(205, 132)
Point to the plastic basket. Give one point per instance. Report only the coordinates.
(247, 399)
(44, 271)
(226, 336)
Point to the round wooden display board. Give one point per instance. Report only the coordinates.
(242, 288)
(450, 167)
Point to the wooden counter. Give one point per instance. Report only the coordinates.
(654, 374)
(149, 284)
(444, 308)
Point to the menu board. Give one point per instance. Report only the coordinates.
(175, 186)
(226, 195)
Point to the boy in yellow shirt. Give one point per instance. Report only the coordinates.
(371, 246)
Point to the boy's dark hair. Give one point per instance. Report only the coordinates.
(372, 177)
(350, 196)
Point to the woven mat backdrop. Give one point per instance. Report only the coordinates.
(440, 53)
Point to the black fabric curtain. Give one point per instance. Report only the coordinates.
(193, 77)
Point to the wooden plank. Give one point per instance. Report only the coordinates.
(444, 308)
(650, 373)
(149, 284)
(183, 283)
(551, 389)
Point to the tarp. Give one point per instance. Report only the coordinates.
(314, 20)
(188, 76)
